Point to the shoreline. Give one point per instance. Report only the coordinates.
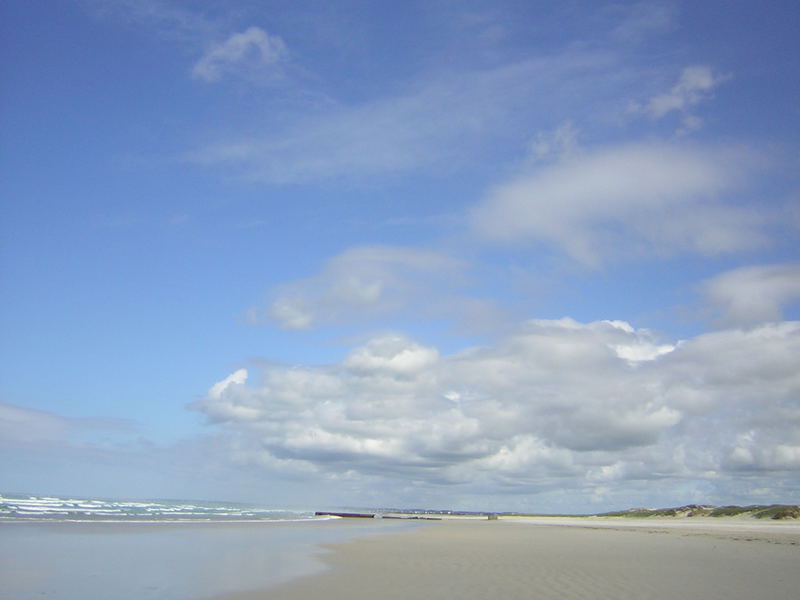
(70, 560)
(558, 557)
(470, 557)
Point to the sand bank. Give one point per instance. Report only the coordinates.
(545, 558)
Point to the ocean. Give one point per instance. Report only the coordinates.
(23, 507)
(85, 548)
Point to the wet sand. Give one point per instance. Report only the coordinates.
(541, 558)
(165, 561)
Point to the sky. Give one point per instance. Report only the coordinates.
(512, 255)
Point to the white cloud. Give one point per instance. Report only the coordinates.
(24, 424)
(695, 85)
(555, 402)
(287, 312)
(560, 143)
(636, 353)
(643, 19)
(19, 425)
(251, 49)
(392, 354)
(629, 200)
(252, 53)
(749, 454)
(360, 283)
(755, 294)
(236, 378)
(167, 19)
(436, 124)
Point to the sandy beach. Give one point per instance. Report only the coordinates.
(561, 558)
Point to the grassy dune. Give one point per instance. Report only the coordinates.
(772, 511)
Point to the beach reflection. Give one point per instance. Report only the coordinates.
(143, 561)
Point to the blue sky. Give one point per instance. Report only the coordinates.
(507, 256)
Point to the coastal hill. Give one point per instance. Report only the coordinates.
(773, 511)
(760, 511)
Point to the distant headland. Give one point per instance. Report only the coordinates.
(755, 511)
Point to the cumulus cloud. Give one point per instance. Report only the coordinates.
(756, 294)
(252, 49)
(557, 401)
(236, 378)
(360, 282)
(647, 198)
(391, 354)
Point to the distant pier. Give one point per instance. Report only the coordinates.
(347, 515)
(353, 515)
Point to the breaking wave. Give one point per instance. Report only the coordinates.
(39, 508)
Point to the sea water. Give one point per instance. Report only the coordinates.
(16, 507)
(81, 549)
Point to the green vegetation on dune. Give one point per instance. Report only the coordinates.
(690, 510)
(779, 511)
(773, 511)
(755, 511)
(732, 511)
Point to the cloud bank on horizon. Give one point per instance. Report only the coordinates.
(558, 405)
(534, 257)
